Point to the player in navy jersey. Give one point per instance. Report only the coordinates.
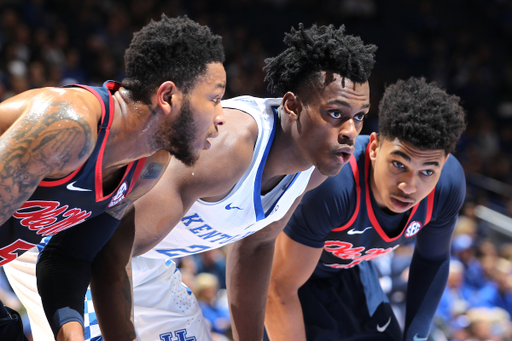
(402, 184)
(76, 156)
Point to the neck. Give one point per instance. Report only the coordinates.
(284, 156)
(131, 132)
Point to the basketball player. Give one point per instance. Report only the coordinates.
(69, 156)
(402, 184)
(267, 154)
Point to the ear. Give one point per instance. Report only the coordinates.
(374, 146)
(291, 105)
(167, 96)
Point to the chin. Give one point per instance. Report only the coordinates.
(330, 171)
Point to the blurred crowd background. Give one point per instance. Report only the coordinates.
(465, 46)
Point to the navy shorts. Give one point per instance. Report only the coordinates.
(350, 306)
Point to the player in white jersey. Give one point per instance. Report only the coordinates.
(267, 154)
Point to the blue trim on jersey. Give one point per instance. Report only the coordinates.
(287, 186)
(258, 206)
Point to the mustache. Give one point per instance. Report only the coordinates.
(402, 196)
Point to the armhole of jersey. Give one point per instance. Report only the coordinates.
(430, 206)
(50, 183)
(355, 171)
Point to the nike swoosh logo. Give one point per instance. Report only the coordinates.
(383, 328)
(354, 231)
(416, 338)
(71, 187)
(229, 207)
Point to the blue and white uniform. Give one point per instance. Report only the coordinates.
(342, 217)
(165, 309)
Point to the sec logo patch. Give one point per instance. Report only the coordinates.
(413, 228)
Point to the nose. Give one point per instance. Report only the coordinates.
(348, 130)
(407, 184)
(219, 118)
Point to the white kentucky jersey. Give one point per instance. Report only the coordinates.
(244, 211)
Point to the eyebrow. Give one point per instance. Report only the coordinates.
(346, 104)
(406, 157)
(220, 86)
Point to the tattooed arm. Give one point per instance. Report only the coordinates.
(46, 133)
(249, 264)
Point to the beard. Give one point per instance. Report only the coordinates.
(178, 136)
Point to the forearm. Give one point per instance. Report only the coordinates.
(427, 280)
(112, 293)
(111, 284)
(283, 317)
(64, 269)
(62, 283)
(248, 275)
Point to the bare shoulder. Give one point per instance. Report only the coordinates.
(56, 126)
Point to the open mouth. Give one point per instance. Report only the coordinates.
(343, 157)
(402, 203)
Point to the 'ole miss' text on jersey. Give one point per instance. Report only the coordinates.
(343, 218)
(57, 205)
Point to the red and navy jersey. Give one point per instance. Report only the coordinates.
(342, 216)
(57, 205)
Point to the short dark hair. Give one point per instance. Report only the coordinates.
(422, 114)
(172, 49)
(319, 48)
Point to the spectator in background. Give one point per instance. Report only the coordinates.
(457, 296)
(463, 250)
(499, 292)
(206, 290)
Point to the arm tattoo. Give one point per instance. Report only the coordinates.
(153, 171)
(37, 147)
(118, 210)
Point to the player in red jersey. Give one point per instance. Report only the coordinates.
(76, 156)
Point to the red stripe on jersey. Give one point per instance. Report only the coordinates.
(371, 213)
(355, 171)
(99, 163)
(50, 183)
(430, 205)
(135, 177)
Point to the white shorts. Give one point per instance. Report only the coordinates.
(165, 309)
(21, 274)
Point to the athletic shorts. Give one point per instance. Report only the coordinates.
(21, 274)
(165, 309)
(348, 306)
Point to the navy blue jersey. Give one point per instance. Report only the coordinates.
(343, 218)
(59, 204)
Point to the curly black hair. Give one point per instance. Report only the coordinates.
(422, 114)
(172, 49)
(319, 48)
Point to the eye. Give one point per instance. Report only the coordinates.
(217, 100)
(398, 164)
(360, 117)
(335, 114)
(427, 172)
